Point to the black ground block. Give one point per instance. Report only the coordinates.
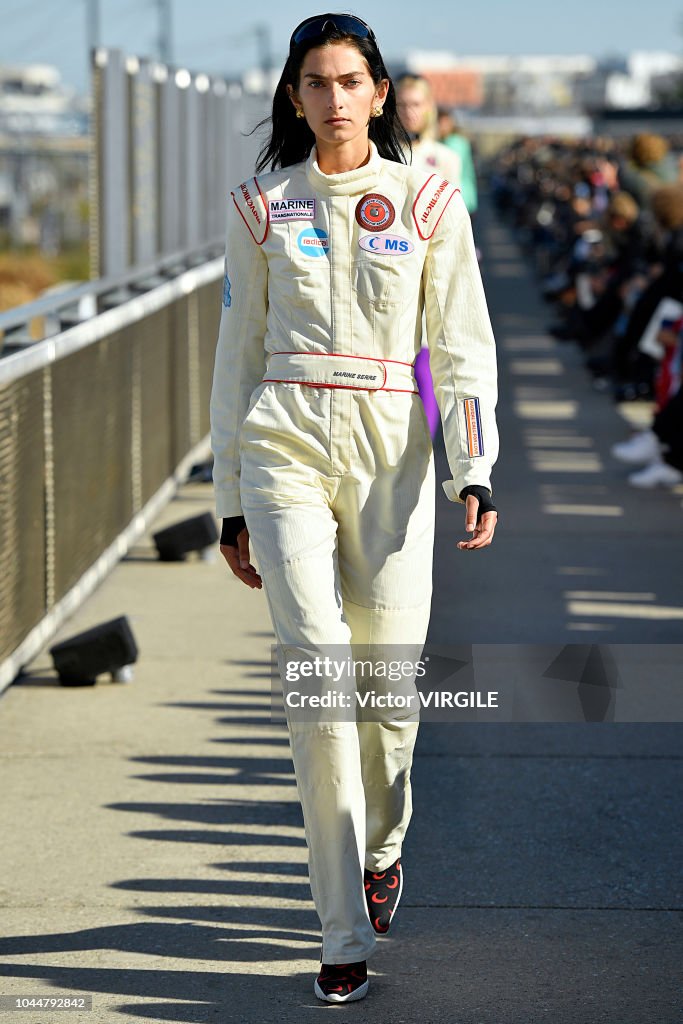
(104, 648)
(195, 534)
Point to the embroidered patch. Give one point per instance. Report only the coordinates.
(313, 242)
(475, 436)
(375, 212)
(291, 209)
(250, 204)
(386, 245)
(227, 298)
(253, 209)
(430, 203)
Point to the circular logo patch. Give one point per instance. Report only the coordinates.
(375, 212)
(313, 242)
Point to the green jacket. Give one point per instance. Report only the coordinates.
(468, 184)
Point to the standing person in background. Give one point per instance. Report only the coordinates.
(450, 135)
(322, 457)
(417, 111)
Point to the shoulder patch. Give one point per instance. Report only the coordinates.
(430, 203)
(253, 209)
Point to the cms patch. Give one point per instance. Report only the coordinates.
(386, 245)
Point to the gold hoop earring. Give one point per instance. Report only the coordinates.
(300, 112)
(376, 111)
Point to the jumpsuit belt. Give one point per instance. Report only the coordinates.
(335, 370)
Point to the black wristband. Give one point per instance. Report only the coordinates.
(231, 527)
(484, 496)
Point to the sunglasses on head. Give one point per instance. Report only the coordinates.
(313, 27)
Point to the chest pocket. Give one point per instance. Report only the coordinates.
(306, 265)
(308, 287)
(377, 280)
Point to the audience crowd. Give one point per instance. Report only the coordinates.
(603, 222)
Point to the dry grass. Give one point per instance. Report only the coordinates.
(24, 275)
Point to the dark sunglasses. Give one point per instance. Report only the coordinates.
(313, 27)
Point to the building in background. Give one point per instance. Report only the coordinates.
(539, 85)
(503, 85)
(629, 83)
(499, 97)
(33, 101)
(44, 150)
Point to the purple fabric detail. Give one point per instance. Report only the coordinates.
(423, 377)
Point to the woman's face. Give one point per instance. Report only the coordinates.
(337, 92)
(413, 107)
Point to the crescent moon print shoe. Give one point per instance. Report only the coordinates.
(382, 893)
(342, 983)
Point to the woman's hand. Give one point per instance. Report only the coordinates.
(238, 560)
(483, 529)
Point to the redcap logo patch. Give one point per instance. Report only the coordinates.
(375, 212)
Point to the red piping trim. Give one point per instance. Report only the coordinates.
(343, 387)
(425, 238)
(342, 355)
(265, 204)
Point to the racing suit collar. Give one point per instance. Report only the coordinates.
(347, 183)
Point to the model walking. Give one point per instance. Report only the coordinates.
(320, 440)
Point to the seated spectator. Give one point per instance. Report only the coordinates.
(631, 367)
(660, 449)
(628, 249)
(649, 166)
(603, 222)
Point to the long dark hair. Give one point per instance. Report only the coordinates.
(291, 139)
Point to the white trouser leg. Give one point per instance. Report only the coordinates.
(344, 560)
(386, 749)
(387, 609)
(305, 604)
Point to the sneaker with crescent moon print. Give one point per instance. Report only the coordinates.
(382, 893)
(342, 983)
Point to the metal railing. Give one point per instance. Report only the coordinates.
(98, 425)
(53, 313)
(104, 387)
(167, 145)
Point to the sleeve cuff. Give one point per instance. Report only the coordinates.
(228, 504)
(453, 490)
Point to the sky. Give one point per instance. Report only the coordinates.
(218, 37)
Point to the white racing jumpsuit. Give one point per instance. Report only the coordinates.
(320, 440)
